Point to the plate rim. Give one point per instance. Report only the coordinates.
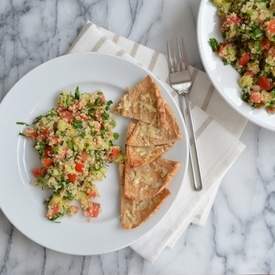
(185, 135)
(243, 113)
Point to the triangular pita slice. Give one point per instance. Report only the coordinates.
(133, 212)
(148, 180)
(147, 135)
(141, 155)
(130, 129)
(143, 102)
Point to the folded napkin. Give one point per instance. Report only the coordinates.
(214, 121)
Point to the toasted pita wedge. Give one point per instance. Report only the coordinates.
(141, 155)
(130, 129)
(147, 181)
(170, 123)
(133, 212)
(147, 135)
(142, 102)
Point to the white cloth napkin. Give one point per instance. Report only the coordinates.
(217, 126)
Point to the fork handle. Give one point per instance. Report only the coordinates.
(194, 161)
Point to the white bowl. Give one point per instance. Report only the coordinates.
(225, 78)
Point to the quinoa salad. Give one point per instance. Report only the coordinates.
(248, 30)
(75, 142)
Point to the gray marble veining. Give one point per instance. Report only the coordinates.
(239, 236)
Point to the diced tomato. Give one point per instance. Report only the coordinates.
(79, 167)
(232, 19)
(222, 49)
(265, 44)
(96, 208)
(72, 177)
(93, 210)
(55, 209)
(38, 172)
(31, 133)
(102, 98)
(271, 26)
(44, 133)
(115, 152)
(91, 193)
(48, 151)
(272, 51)
(76, 106)
(270, 110)
(47, 162)
(84, 156)
(62, 154)
(67, 115)
(244, 59)
(265, 83)
(83, 116)
(256, 97)
(53, 140)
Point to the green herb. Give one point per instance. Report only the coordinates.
(98, 166)
(270, 103)
(82, 134)
(103, 132)
(256, 33)
(55, 149)
(105, 115)
(22, 134)
(40, 147)
(69, 195)
(77, 124)
(245, 96)
(22, 123)
(77, 93)
(258, 46)
(225, 62)
(56, 216)
(91, 111)
(108, 105)
(51, 113)
(37, 119)
(214, 44)
(112, 123)
(116, 136)
(98, 101)
(63, 184)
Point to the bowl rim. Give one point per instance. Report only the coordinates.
(258, 122)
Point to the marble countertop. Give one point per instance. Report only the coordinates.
(239, 236)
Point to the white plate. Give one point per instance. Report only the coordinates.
(22, 202)
(225, 78)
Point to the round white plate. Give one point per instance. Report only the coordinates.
(225, 78)
(22, 202)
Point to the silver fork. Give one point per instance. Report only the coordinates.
(181, 81)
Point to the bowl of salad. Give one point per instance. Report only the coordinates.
(237, 46)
